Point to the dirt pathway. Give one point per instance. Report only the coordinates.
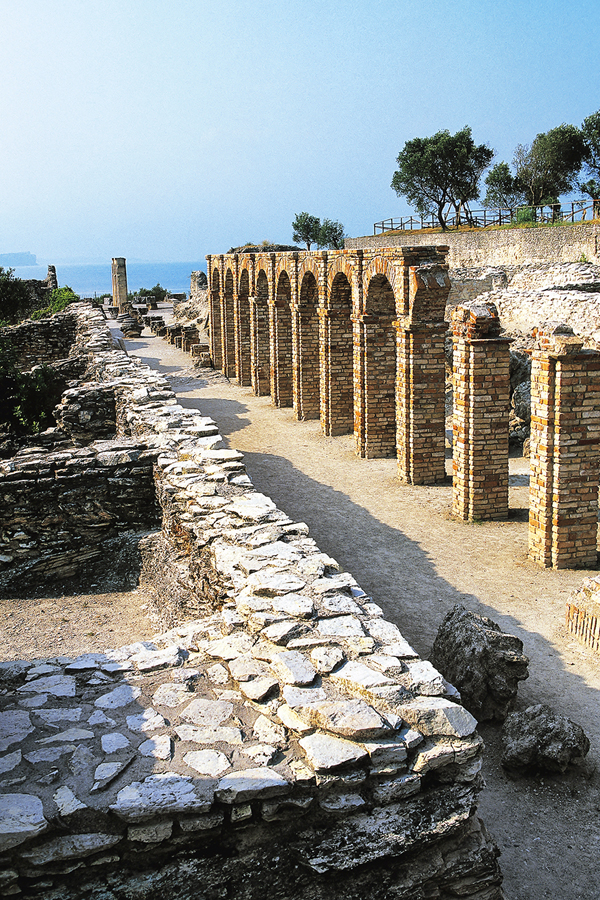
(405, 550)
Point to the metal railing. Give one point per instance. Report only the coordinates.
(576, 211)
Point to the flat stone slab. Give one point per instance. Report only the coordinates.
(15, 725)
(21, 818)
(292, 667)
(72, 846)
(121, 696)
(207, 762)
(251, 784)
(437, 716)
(353, 719)
(57, 685)
(148, 720)
(207, 713)
(171, 695)
(341, 627)
(325, 752)
(163, 794)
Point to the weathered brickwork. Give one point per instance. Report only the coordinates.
(481, 406)
(352, 338)
(565, 450)
(583, 613)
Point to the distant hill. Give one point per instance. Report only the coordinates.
(18, 259)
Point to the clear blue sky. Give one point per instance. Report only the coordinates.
(167, 129)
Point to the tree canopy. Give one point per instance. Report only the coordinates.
(590, 130)
(310, 230)
(441, 173)
(16, 300)
(550, 165)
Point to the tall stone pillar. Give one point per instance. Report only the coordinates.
(481, 408)
(565, 450)
(421, 373)
(119, 283)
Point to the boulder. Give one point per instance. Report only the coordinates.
(485, 664)
(539, 739)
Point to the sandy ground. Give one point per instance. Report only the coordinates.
(404, 548)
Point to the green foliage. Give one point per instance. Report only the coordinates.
(16, 300)
(549, 167)
(525, 216)
(26, 398)
(590, 130)
(59, 300)
(157, 292)
(503, 189)
(306, 228)
(331, 235)
(440, 173)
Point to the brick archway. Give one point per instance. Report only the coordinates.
(375, 371)
(259, 336)
(307, 391)
(337, 386)
(242, 330)
(281, 342)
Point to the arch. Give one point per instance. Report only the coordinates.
(228, 325)
(376, 371)
(337, 381)
(281, 342)
(307, 388)
(242, 330)
(216, 345)
(259, 336)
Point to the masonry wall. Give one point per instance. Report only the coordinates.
(510, 246)
(43, 341)
(291, 741)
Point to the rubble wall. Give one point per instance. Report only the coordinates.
(501, 247)
(43, 341)
(292, 741)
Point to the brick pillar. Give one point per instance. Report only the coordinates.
(214, 296)
(336, 371)
(481, 410)
(119, 283)
(259, 346)
(565, 450)
(374, 386)
(280, 319)
(305, 362)
(420, 404)
(242, 338)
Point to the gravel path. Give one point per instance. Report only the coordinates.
(403, 547)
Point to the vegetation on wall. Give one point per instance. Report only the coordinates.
(26, 398)
(59, 300)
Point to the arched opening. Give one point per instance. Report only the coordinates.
(307, 398)
(281, 364)
(259, 337)
(228, 326)
(378, 375)
(242, 331)
(337, 389)
(215, 320)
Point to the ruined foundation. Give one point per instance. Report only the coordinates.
(289, 742)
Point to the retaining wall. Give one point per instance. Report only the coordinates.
(291, 742)
(505, 247)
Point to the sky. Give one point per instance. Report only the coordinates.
(163, 130)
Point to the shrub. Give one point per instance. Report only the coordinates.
(59, 300)
(26, 398)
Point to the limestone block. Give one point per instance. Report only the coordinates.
(539, 739)
(21, 818)
(163, 794)
(251, 784)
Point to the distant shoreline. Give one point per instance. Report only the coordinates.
(90, 280)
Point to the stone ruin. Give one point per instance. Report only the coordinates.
(288, 741)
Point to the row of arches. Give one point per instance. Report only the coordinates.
(323, 339)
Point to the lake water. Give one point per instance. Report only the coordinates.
(96, 279)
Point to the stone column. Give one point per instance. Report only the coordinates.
(280, 320)
(119, 283)
(481, 410)
(259, 347)
(374, 363)
(565, 450)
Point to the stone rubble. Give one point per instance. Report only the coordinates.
(292, 724)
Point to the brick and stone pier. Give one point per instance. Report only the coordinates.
(481, 405)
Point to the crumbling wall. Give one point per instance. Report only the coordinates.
(291, 741)
(43, 341)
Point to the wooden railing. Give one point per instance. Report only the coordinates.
(576, 211)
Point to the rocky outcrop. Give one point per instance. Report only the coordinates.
(481, 661)
(540, 740)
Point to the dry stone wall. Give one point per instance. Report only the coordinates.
(291, 741)
(43, 341)
(503, 247)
